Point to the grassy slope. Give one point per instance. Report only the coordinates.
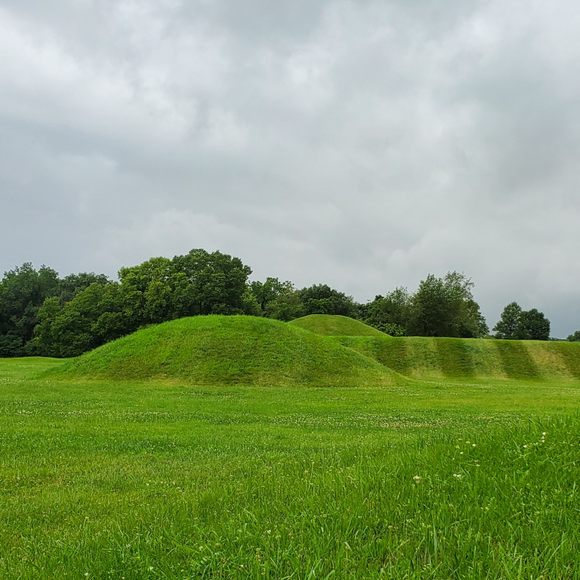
(222, 350)
(422, 357)
(147, 480)
(332, 325)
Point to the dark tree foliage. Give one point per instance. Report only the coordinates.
(518, 324)
(322, 299)
(508, 325)
(534, 325)
(287, 306)
(22, 292)
(197, 283)
(43, 314)
(268, 291)
(94, 316)
(575, 337)
(72, 284)
(276, 299)
(389, 313)
(446, 307)
(157, 290)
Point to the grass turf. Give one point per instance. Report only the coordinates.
(334, 325)
(438, 479)
(229, 350)
(436, 358)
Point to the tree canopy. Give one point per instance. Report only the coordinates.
(518, 324)
(44, 314)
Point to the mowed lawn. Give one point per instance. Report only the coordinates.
(439, 479)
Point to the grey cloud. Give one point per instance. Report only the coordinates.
(364, 144)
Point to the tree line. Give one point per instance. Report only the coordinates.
(44, 314)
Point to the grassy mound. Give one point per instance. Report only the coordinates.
(422, 357)
(213, 350)
(333, 325)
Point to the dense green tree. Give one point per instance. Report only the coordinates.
(287, 305)
(22, 292)
(518, 324)
(446, 307)
(197, 283)
(508, 325)
(322, 299)
(389, 313)
(70, 285)
(266, 292)
(94, 316)
(216, 282)
(10, 345)
(534, 325)
(574, 337)
(473, 323)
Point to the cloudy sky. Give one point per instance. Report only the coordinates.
(360, 143)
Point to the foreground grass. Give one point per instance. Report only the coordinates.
(153, 480)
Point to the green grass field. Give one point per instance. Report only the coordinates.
(328, 325)
(162, 476)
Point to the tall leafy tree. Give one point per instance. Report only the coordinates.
(322, 299)
(534, 325)
(94, 316)
(389, 313)
(287, 305)
(268, 291)
(22, 292)
(518, 324)
(446, 307)
(508, 325)
(214, 283)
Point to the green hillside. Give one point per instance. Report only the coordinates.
(422, 357)
(334, 325)
(229, 350)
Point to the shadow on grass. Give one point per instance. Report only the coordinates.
(455, 358)
(570, 355)
(516, 360)
(394, 354)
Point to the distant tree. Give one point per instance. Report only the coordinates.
(575, 337)
(250, 305)
(389, 313)
(10, 345)
(518, 324)
(196, 283)
(268, 291)
(393, 329)
(213, 283)
(473, 323)
(508, 325)
(287, 305)
(534, 325)
(22, 292)
(94, 316)
(70, 285)
(322, 299)
(446, 307)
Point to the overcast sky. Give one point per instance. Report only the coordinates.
(362, 144)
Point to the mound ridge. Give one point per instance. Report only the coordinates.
(335, 325)
(218, 350)
(423, 357)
